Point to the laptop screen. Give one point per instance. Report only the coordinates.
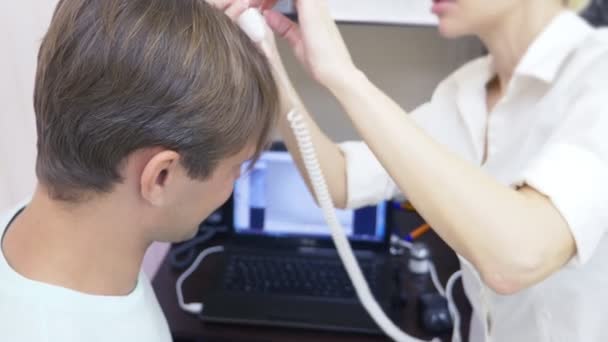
(272, 199)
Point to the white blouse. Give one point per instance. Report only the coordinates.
(549, 131)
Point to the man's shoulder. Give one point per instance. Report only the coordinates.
(7, 214)
(36, 317)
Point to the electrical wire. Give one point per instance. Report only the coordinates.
(345, 252)
(193, 308)
(183, 255)
(340, 240)
(447, 293)
(456, 337)
(435, 279)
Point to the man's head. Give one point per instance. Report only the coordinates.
(159, 100)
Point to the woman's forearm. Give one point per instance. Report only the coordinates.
(501, 230)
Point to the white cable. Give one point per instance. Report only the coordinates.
(452, 306)
(447, 293)
(431, 266)
(435, 279)
(253, 23)
(193, 308)
(321, 191)
(449, 297)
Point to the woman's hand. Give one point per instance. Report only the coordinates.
(316, 41)
(233, 9)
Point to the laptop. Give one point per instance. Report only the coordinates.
(281, 267)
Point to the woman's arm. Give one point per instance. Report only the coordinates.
(502, 231)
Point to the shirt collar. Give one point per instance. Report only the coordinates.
(553, 46)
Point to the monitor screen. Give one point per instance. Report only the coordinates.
(271, 198)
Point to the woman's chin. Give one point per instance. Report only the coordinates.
(449, 30)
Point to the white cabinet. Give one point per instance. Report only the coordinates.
(396, 12)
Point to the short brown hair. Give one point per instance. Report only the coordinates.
(115, 76)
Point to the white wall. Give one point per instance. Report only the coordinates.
(22, 26)
(405, 62)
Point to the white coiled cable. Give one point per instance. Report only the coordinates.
(252, 22)
(309, 156)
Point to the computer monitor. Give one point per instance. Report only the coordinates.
(271, 199)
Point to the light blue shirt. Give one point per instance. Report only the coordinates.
(32, 311)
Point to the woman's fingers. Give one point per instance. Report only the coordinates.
(237, 8)
(321, 44)
(274, 22)
(267, 4)
(225, 4)
(284, 27)
(220, 4)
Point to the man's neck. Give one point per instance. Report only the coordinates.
(94, 247)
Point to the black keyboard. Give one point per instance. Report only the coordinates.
(293, 276)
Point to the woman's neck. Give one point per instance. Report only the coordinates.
(508, 40)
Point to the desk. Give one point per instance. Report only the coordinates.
(188, 328)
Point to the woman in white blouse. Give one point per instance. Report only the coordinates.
(508, 161)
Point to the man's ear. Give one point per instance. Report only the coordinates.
(158, 173)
